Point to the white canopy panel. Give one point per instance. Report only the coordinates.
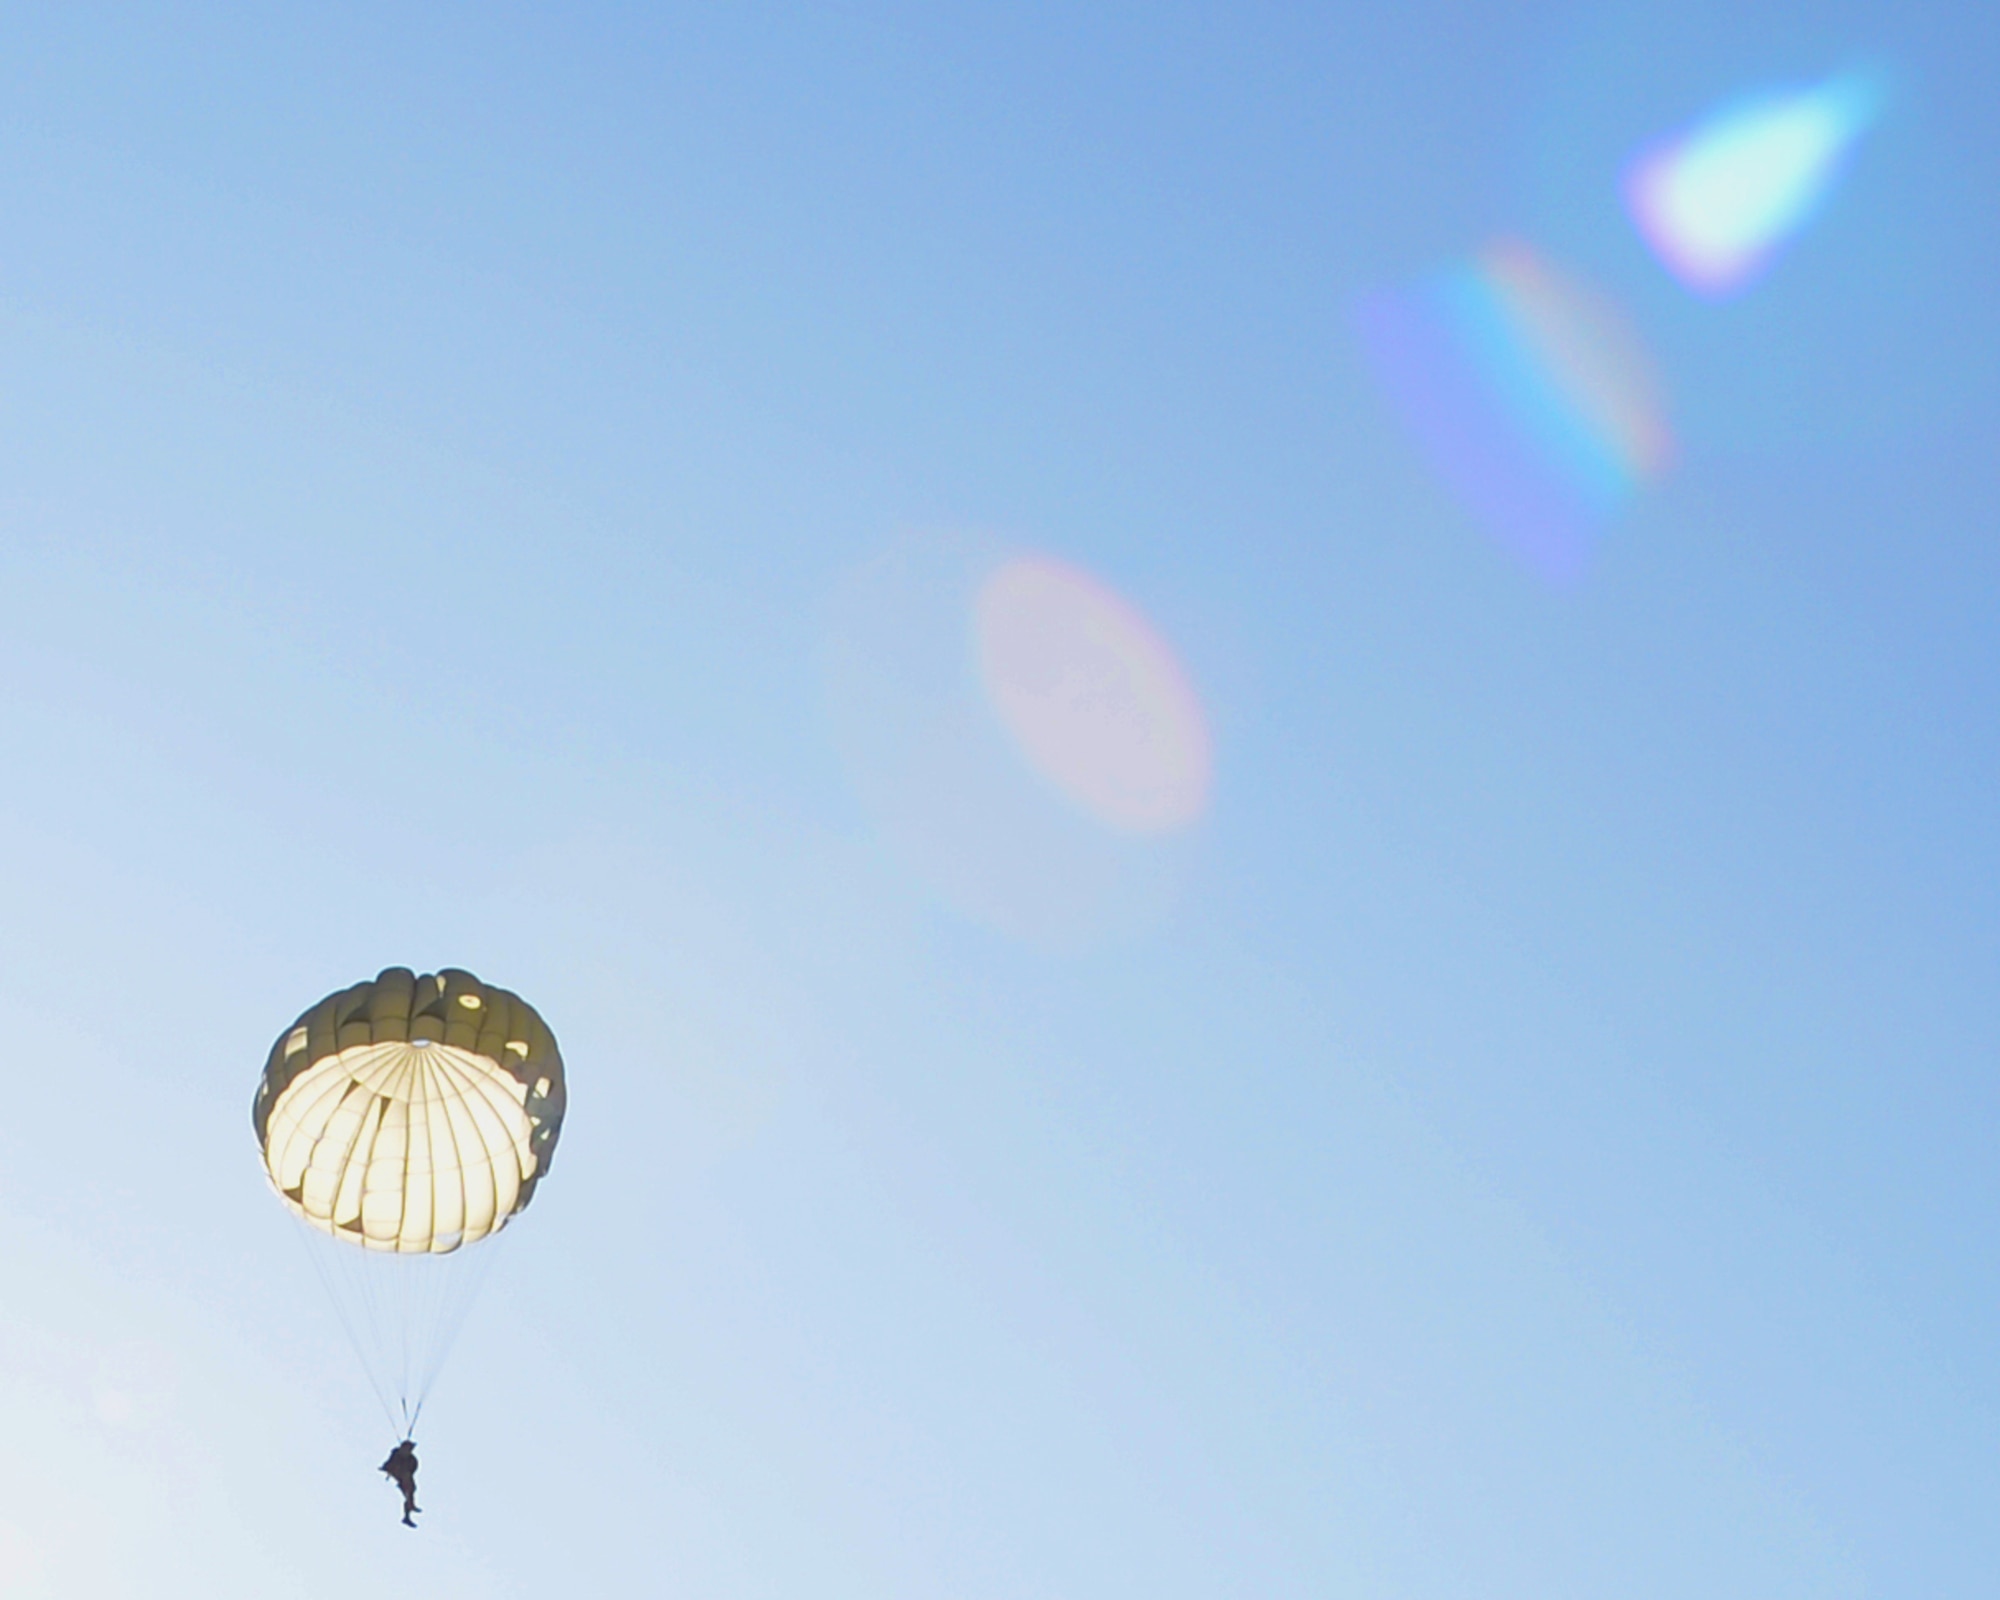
(416, 1146)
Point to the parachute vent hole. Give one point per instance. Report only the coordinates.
(518, 1047)
(541, 1088)
(295, 1041)
(469, 1001)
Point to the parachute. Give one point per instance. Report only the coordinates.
(402, 1121)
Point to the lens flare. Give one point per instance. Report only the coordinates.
(1529, 393)
(1718, 201)
(1092, 696)
(1021, 737)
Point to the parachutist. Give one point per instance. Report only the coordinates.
(402, 1468)
(403, 1121)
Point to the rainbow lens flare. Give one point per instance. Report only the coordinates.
(1717, 201)
(1530, 394)
(1092, 696)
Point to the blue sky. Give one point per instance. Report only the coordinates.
(1531, 1136)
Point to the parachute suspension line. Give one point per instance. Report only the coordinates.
(435, 1322)
(438, 1295)
(402, 1313)
(354, 1339)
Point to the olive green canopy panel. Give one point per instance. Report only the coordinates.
(411, 1114)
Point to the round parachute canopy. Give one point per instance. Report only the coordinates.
(412, 1114)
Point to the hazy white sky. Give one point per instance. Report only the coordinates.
(512, 489)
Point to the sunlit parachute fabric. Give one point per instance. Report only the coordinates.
(409, 1117)
(411, 1114)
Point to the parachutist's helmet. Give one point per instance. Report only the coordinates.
(411, 1114)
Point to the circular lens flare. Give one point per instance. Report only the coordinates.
(1092, 696)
